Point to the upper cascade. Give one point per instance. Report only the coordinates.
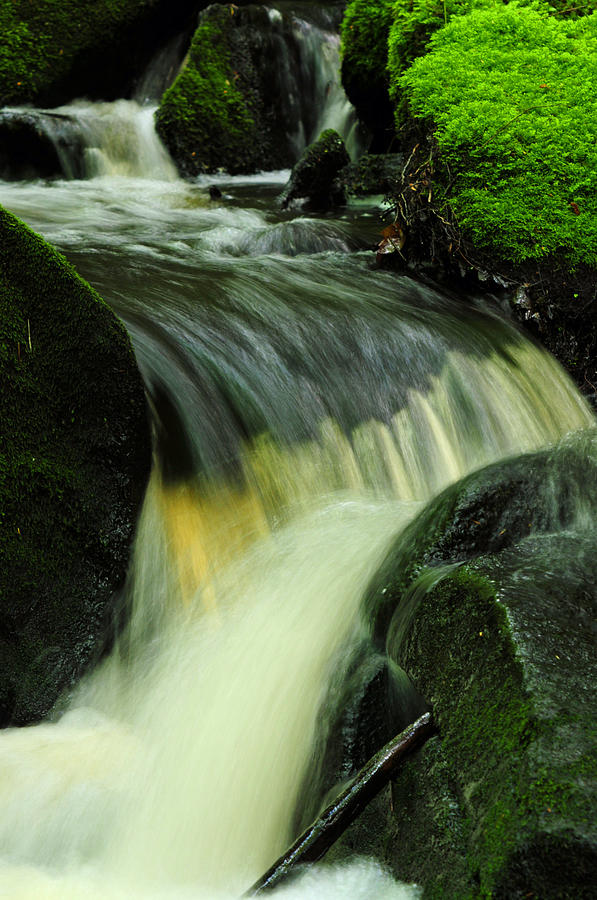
(275, 85)
(83, 140)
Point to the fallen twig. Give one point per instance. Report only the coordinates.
(319, 837)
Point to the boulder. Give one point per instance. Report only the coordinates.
(488, 511)
(488, 603)
(314, 179)
(251, 91)
(74, 458)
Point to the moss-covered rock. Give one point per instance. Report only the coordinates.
(54, 51)
(508, 671)
(414, 22)
(74, 458)
(488, 602)
(233, 105)
(207, 119)
(486, 512)
(501, 178)
(314, 179)
(510, 93)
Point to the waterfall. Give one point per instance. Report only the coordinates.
(92, 139)
(120, 139)
(305, 408)
(306, 69)
(86, 140)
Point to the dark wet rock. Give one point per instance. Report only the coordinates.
(488, 603)
(368, 706)
(35, 144)
(317, 839)
(489, 511)
(374, 173)
(425, 840)
(314, 179)
(74, 459)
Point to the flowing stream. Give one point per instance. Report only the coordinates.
(306, 406)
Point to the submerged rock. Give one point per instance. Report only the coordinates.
(488, 602)
(314, 179)
(74, 459)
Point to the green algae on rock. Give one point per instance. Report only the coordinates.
(74, 459)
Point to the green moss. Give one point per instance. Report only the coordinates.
(42, 41)
(364, 38)
(524, 772)
(486, 601)
(207, 119)
(364, 35)
(415, 21)
(491, 723)
(486, 723)
(510, 94)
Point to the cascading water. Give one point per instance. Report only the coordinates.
(84, 140)
(305, 408)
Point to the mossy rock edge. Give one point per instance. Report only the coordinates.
(75, 454)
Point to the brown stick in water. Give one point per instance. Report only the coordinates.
(319, 837)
